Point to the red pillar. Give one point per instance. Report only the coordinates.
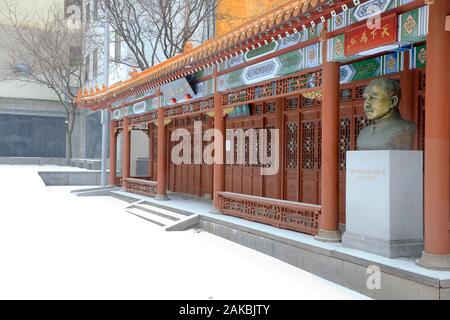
(329, 220)
(126, 151)
(408, 107)
(112, 153)
(219, 151)
(162, 157)
(150, 151)
(407, 86)
(437, 141)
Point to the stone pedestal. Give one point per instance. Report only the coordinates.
(384, 202)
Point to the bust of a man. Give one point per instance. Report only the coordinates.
(387, 130)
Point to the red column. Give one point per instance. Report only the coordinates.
(162, 157)
(219, 151)
(329, 220)
(437, 140)
(150, 151)
(408, 107)
(407, 86)
(126, 151)
(112, 153)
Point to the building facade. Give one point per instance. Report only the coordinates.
(33, 121)
(301, 68)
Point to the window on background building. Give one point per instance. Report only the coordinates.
(117, 47)
(75, 56)
(95, 64)
(88, 13)
(86, 68)
(95, 10)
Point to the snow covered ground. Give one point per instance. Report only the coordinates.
(54, 245)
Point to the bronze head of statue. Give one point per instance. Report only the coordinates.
(387, 130)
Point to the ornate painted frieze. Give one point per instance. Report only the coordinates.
(419, 56)
(371, 68)
(413, 25)
(273, 46)
(135, 109)
(291, 62)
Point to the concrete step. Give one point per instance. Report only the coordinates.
(170, 220)
(165, 213)
(93, 189)
(95, 192)
(126, 196)
(156, 219)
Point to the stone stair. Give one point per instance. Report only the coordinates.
(162, 216)
(95, 191)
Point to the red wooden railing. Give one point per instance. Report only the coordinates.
(279, 213)
(144, 187)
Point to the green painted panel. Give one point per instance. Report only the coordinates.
(289, 62)
(234, 79)
(409, 26)
(365, 69)
(261, 50)
(420, 55)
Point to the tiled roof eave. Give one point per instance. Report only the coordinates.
(259, 29)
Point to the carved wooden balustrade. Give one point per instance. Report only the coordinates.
(140, 186)
(279, 213)
(310, 80)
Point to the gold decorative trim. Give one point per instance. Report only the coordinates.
(227, 110)
(323, 35)
(210, 114)
(167, 122)
(315, 95)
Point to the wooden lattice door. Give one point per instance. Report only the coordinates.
(194, 178)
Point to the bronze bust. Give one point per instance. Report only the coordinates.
(387, 130)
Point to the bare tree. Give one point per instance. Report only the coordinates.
(155, 30)
(177, 21)
(47, 53)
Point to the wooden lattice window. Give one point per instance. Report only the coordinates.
(291, 145)
(319, 144)
(308, 144)
(346, 94)
(254, 148)
(422, 76)
(359, 92)
(360, 123)
(344, 141)
(256, 109)
(269, 145)
(271, 107)
(291, 104)
(309, 102)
